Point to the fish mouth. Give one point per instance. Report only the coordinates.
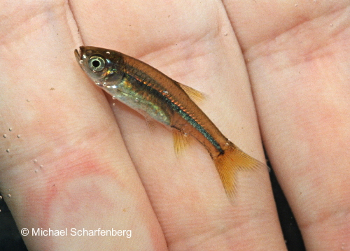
(77, 55)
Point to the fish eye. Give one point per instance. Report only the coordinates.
(97, 63)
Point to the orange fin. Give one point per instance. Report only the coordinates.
(195, 95)
(180, 141)
(232, 160)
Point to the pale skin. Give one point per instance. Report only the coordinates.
(103, 167)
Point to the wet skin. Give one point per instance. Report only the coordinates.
(101, 165)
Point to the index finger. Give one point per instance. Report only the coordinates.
(69, 169)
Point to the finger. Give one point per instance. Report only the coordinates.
(299, 70)
(66, 168)
(194, 45)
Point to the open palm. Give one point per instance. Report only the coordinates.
(73, 160)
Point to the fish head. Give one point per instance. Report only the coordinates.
(101, 65)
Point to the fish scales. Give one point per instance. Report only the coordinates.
(155, 95)
(170, 99)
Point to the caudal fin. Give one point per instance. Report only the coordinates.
(230, 162)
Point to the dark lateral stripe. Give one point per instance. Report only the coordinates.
(179, 110)
(197, 126)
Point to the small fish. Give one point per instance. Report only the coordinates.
(155, 95)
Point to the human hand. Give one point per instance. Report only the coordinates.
(105, 170)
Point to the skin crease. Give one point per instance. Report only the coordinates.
(104, 167)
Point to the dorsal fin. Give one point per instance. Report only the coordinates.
(195, 95)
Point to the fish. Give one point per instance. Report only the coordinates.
(159, 97)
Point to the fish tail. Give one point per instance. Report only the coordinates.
(230, 162)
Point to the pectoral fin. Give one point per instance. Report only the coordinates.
(150, 123)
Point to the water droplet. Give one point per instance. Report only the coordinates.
(104, 84)
(35, 160)
(0, 197)
(41, 166)
(0, 210)
(165, 92)
(4, 136)
(137, 100)
(36, 170)
(7, 150)
(9, 195)
(227, 143)
(108, 52)
(185, 134)
(81, 61)
(19, 135)
(10, 129)
(114, 97)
